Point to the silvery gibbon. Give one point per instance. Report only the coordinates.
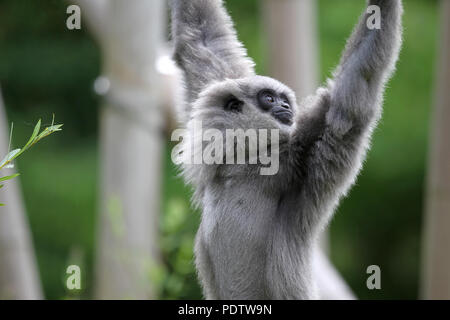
(258, 232)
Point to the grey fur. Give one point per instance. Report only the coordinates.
(257, 233)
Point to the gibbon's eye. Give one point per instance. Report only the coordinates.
(234, 105)
(269, 98)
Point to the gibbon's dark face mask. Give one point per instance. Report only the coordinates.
(277, 104)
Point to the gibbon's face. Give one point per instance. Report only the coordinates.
(277, 104)
(250, 103)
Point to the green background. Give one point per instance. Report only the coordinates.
(45, 69)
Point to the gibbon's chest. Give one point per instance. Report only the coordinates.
(238, 206)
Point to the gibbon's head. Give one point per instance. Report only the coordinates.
(254, 102)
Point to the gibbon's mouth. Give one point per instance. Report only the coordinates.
(284, 116)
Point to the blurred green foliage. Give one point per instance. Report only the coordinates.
(45, 69)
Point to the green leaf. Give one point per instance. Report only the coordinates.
(10, 157)
(48, 131)
(9, 177)
(1, 186)
(33, 136)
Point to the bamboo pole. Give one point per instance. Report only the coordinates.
(131, 143)
(436, 255)
(19, 276)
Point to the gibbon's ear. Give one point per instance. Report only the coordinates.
(206, 45)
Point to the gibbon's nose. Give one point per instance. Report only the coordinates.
(285, 105)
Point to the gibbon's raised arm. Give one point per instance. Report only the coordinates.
(206, 45)
(330, 141)
(367, 63)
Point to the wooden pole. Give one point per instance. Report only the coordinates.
(436, 255)
(291, 31)
(19, 276)
(131, 142)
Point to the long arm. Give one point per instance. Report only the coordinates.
(330, 140)
(206, 45)
(366, 65)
